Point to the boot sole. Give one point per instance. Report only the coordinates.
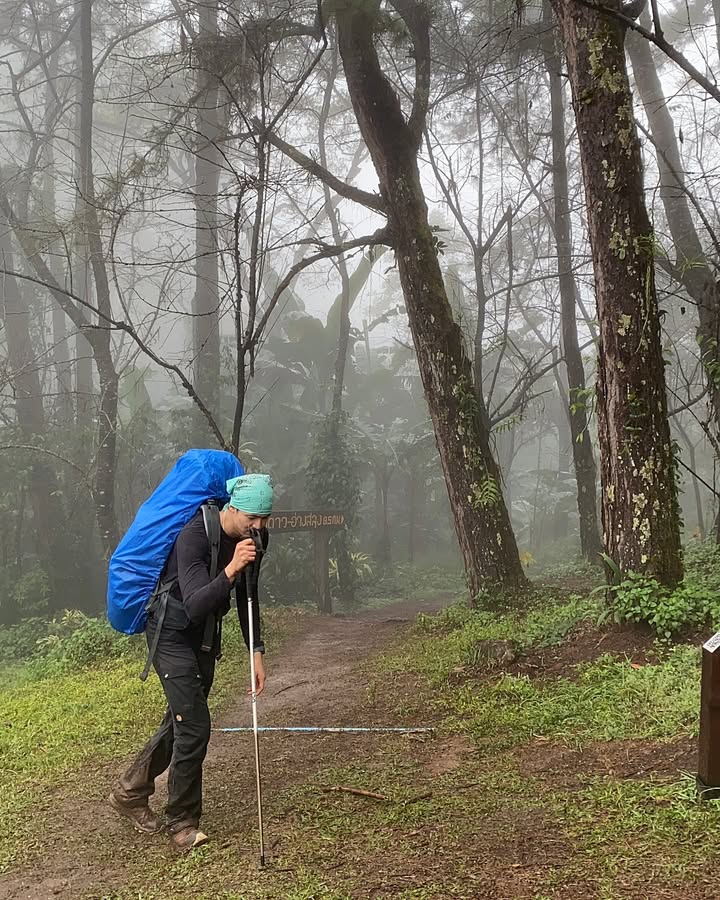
(126, 814)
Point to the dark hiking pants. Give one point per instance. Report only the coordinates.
(180, 743)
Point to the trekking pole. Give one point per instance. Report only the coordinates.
(251, 584)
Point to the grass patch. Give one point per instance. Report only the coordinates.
(609, 701)
(52, 722)
(624, 829)
(620, 830)
(449, 639)
(334, 846)
(465, 813)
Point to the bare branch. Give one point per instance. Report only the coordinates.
(62, 39)
(365, 198)
(508, 300)
(686, 404)
(522, 388)
(369, 240)
(290, 99)
(506, 217)
(68, 462)
(680, 184)
(57, 291)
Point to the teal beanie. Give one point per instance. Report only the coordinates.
(251, 494)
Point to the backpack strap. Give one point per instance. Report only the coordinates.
(211, 518)
(157, 603)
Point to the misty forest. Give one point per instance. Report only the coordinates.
(451, 269)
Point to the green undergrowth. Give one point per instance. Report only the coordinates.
(620, 829)
(609, 700)
(54, 720)
(481, 799)
(447, 640)
(403, 581)
(605, 699)
(625, 829)
(446, 832)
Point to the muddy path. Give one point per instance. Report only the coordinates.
(319, 678)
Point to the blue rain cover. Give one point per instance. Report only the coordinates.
(136, 564)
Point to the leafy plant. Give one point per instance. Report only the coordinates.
(78, 641)
(361, 567)
(333, 482)
(333, 479)
(641, 598)
(68, 642)
(702, 563)
(21, 641)
(286, 576)
(32, 593)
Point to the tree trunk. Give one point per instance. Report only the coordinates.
(50, 544)
(61, 355)
(691, 260)
(472, 477)
(695, 482)
(583, 459)
(345, 570)
(332, 214)
(716, 16)
(412, 511)
(639, 502)
(106, 427)
(382, 474)
(85, 393)
(321, 559)
(478, 260)
(208, 160)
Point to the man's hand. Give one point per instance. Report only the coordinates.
(244, 555)
(259, 675)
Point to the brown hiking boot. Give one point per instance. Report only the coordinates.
(188, 838)
(142, 817)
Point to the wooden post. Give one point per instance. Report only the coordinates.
(322, 523)
(708, 777)
(321, 543)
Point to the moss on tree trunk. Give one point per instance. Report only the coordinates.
(639, 496)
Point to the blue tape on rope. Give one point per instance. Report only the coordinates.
(329, 729)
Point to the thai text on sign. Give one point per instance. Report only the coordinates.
(305, 520)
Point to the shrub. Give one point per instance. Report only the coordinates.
(361, 565)
(453, 618)
(287, 575)
(32, 593)
(77, 642)
(702, 563)
(641, 598)
(21, 641)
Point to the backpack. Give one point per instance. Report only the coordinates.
(136, 565)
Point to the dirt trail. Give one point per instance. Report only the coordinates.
(315, 680)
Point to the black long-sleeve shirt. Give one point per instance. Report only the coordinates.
(195, 596)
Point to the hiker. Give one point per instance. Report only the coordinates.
(185, 669)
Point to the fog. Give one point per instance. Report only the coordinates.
(202, 247)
